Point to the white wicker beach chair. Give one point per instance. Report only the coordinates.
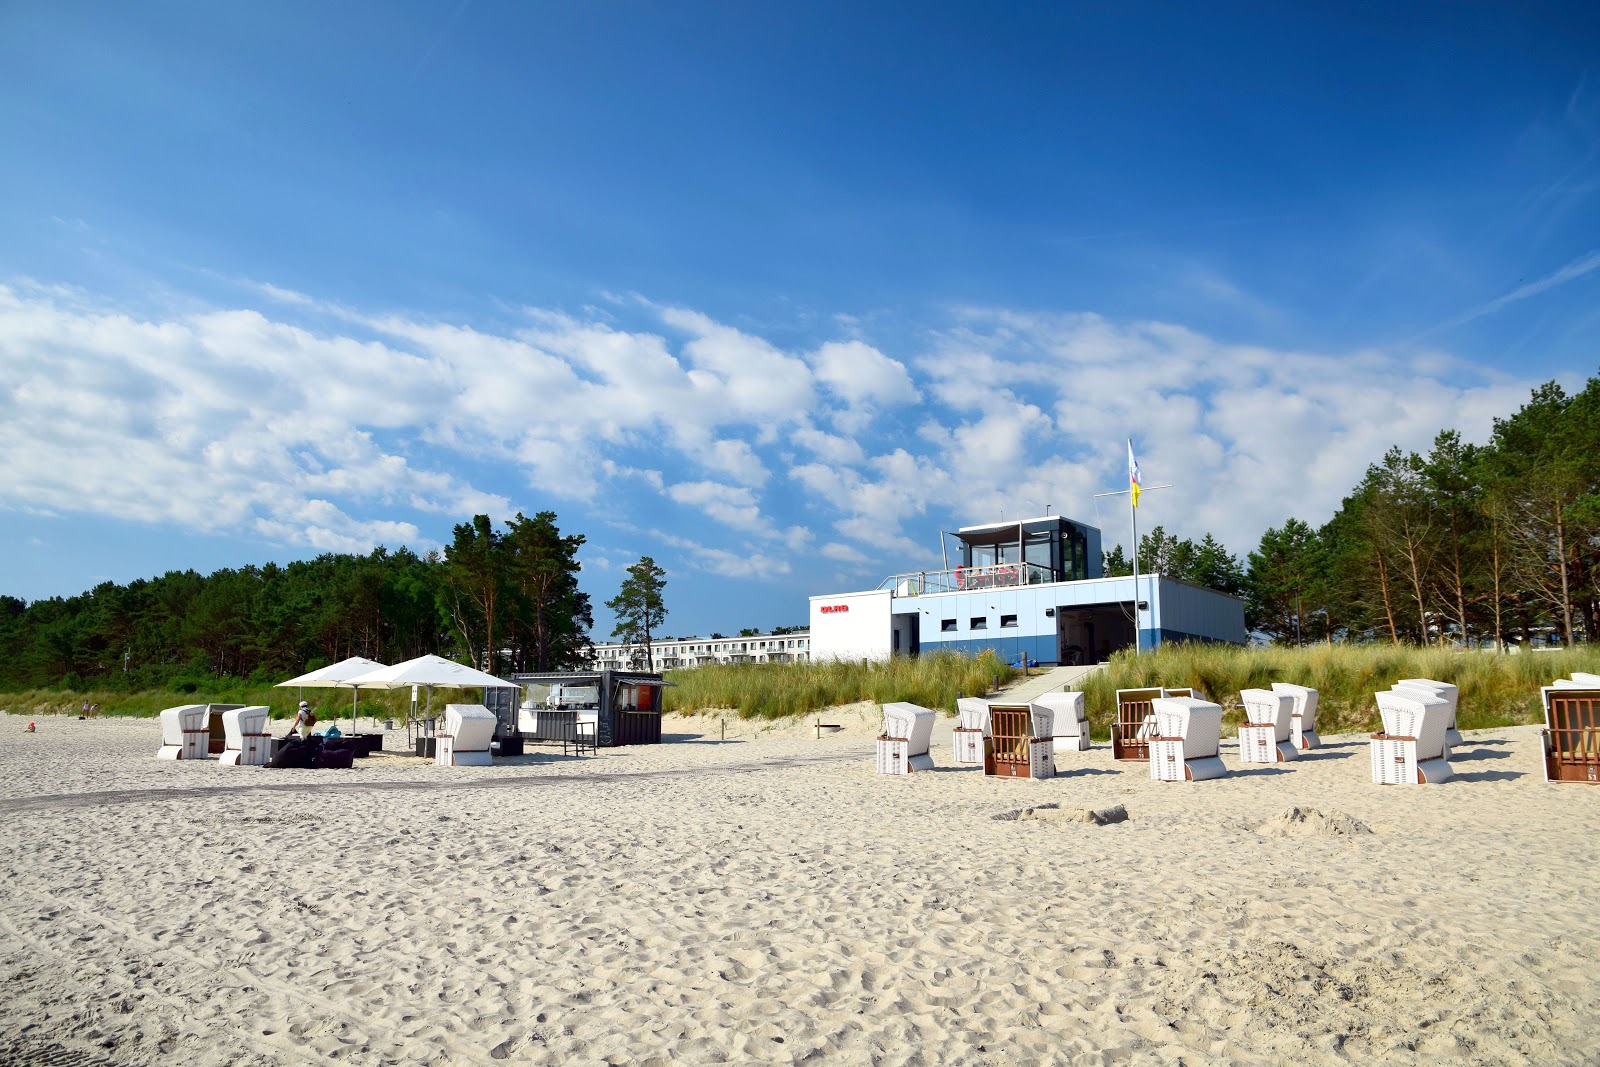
(1452, 696)
(966, 740)
(468, 729)
(907, 735)
(1187, 740)
(1131, 732)
(1264, 736)
(1303, 720)
(1071, 729)
(1571, 736)
(1018, 742)
(185, 731)
(248, 742)
(1411, 748)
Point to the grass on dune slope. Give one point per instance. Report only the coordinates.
(1496, 689)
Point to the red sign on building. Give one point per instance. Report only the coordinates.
(829, 609)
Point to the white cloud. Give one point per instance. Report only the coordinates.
(859, 373)
(236, 421)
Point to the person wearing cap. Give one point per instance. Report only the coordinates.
(304, 720)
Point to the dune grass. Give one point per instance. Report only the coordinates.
(780, 690)
(329, 704)
(1496, 689)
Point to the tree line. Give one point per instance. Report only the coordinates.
(1472, 545)
(505, 600)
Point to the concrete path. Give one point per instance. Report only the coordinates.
(1043, 681)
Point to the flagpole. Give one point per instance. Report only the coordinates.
(1133, 517)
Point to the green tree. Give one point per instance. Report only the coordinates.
(473, 582)
(639, 608)
(1285, 572)
(550, 617)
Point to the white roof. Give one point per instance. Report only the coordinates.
(335, 674)
(430, 671)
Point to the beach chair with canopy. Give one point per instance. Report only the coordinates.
(1130, 734)
(1071, 730)
(1411, 748)
(1186, 740)
(185, 732)
(468, 729)
(247, 742)
(1020, 742)
(1269, 719)
(966, 740)
(907, 735)
(1452, 696)
(1303, 719)
(1571, 735)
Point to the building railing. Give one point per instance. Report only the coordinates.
(961, 579)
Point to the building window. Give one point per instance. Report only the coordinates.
(947, 626)
(978, 622)
(1007, 620)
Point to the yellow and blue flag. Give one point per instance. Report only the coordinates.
(1133, 475)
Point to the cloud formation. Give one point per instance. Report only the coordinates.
(308, 424)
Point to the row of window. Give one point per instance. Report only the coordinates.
(977, 622)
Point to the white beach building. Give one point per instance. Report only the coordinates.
(1031, 586)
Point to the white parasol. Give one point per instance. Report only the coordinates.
(337, 676)
(431, 672)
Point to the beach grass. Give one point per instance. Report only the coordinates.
(782, 690)
(329, 704)
(1497, 689)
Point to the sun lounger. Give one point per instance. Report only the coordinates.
(468, 729)
(1452, 696)
(907, 735)
(1019, 742)
(248, 744)
(1071, 729)
(1411, 748)
(1303, 720)
(1186, 741)
(1264, 736)
(185, 732)
(1572, 730)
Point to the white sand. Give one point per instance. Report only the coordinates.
(771, 900)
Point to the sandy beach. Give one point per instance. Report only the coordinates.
(769, 899)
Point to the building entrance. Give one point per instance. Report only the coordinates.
(1089, 633)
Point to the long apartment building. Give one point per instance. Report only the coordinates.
(704, 651)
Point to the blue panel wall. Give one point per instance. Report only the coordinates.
(1041, 649)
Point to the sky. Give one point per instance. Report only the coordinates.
(771, 294)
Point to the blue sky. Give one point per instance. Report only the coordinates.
(772, 296)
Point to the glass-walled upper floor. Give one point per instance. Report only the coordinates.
(1054, 544)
